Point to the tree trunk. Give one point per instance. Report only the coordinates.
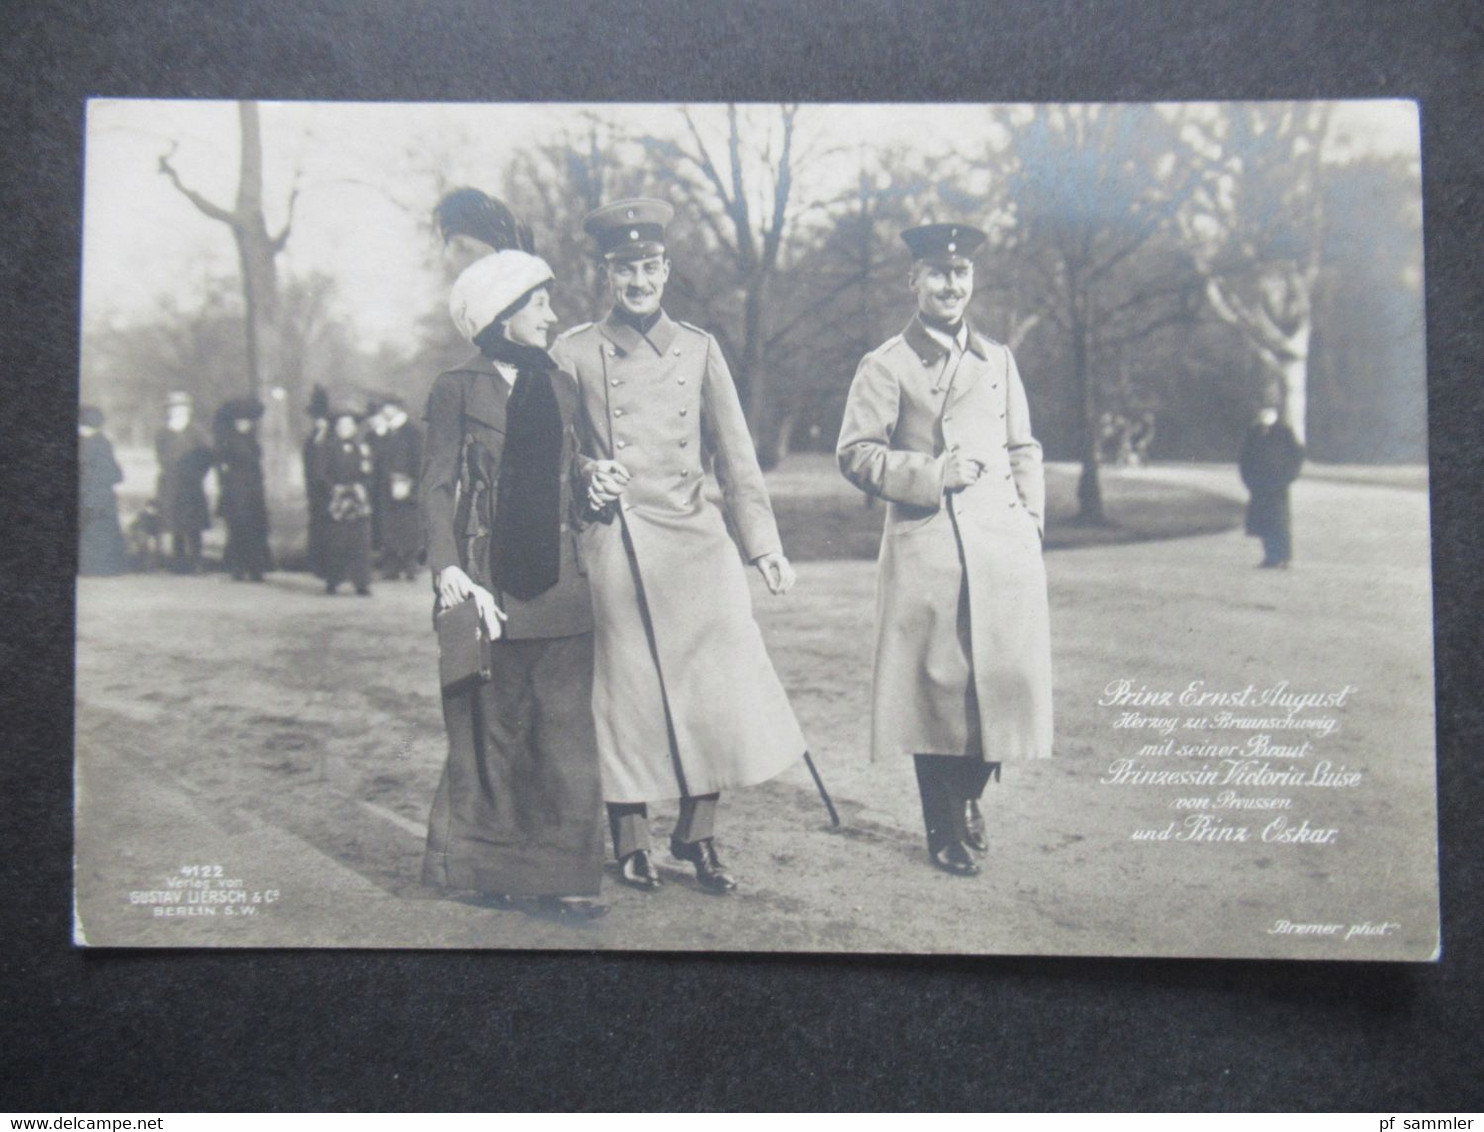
(1293, 382)
(257, 253)
(753, 380)
(1089, 485)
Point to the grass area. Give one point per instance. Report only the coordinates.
(822, 517)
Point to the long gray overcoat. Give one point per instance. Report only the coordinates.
(963, 654)
(676, 640)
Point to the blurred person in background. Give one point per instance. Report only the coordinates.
(242, 503)
(183, 451)
(1270, 461)
(398, 457)
(345, 475)
(317, 498)
(100, 541)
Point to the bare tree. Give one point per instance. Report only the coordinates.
(1096, 192)
(257, 250)
(743, 192)
(1258, 226)
(552, 187)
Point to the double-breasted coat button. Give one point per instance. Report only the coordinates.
(615, 382)
(622, 443)
(684, 472)
(683, 443)
(677, 351)
(683, 412)
(618, 412)
(612, 352)
(681, 380)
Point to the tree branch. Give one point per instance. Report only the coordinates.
(277, 242)
(215, 211)
(741, 217)
(781, 189)
(819, 304)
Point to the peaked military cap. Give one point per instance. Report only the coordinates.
(630, 229)
(943, 243)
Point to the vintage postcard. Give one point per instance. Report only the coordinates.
(985, 529)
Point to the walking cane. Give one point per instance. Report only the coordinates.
(823, 793)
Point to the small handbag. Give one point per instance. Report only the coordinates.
(463, 647)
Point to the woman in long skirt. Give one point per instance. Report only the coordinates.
(243, 501)
(518, 811)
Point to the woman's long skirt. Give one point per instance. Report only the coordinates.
(518, 811)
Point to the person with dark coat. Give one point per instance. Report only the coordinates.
(316, 493)
(517, 810)
(242, 502)
(344, 470)
(183, 451)
(1270, 461)
(398, 458)
(100, 541)
(373, 431)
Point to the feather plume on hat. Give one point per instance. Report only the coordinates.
(479, 216)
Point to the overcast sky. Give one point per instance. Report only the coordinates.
(366, 176)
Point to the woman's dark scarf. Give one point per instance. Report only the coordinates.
(525, 551)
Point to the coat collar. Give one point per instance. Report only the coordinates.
(628, 340)
(488, 393)
(931, 351)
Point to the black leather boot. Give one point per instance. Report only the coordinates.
(637, 871)
(709, 871)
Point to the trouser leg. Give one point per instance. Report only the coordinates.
(629, 823)
(697, 819)
(973, 776)
(942, 797)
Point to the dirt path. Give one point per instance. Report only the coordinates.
(294, 742)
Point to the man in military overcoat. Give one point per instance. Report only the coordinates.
(686, 700)
(936, 423)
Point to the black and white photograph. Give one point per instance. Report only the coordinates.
(990, 529)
